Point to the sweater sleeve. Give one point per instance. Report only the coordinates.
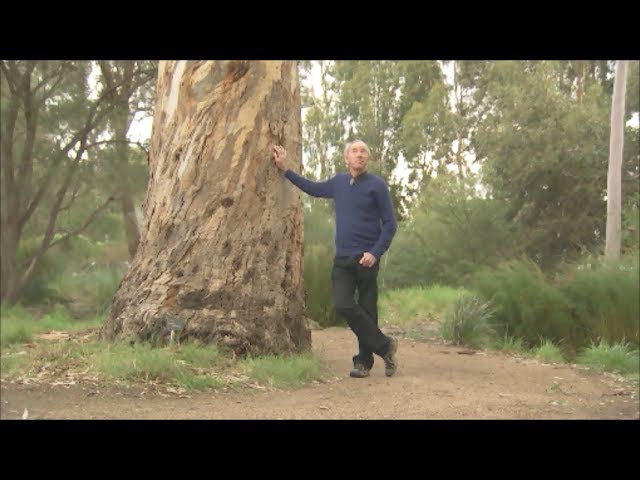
(388, 219)
(315, 189)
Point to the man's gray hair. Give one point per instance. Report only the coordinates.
(366, 147)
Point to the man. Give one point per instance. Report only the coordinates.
(365, 226)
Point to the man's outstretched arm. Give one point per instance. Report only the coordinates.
(315, 189)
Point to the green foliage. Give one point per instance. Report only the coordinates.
(199, 382)
(191, 366)
(318, 262)
(526, 305)
(589, 301)
(62, 153)
(510, 344)
(144, 363)
(469, 323)
(19, 325)
(291, 370)
(403, 306)
(322, 133)
(107, 227)
(200, 355)
(89, 292)
(630, 229)
(79, 272)
(544, 154)
(368, 100)
(13, 333)
(603, 298)
(548, 352)
(632, 101)
(539, 130)
(12, 362)
(453, 233)
(620, 358)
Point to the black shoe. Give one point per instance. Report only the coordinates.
(359, 371)
(390, 365)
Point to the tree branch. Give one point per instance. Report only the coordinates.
(88, 222)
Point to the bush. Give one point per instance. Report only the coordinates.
(603, 298)
(526, 305)
(469, 322)
(318, 262)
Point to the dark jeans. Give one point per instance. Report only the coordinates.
(348, 276)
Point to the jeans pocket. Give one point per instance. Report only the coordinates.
(342, 262)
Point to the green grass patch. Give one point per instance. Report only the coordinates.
(19, 325)
(284, 370)
(12, 362)
(417, 304)
(90, 293)
(191, 366)
(510, 344)
(620, 358)
(469, 322)
(200, 382)
(548, 352)
(604, 300)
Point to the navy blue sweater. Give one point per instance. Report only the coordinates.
(364, 215)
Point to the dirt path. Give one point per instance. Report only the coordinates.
(433, 382)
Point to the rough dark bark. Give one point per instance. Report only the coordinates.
(220, 254)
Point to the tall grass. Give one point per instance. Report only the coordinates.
(526, 305)
(621, 358)
(604, 300)
(469, 323)
(548, 352)
(396, 307)
(318, 262)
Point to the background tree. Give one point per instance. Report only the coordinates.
(543, 154)
(616, 146)
(131, 89)
(49, 124)
(220, 257)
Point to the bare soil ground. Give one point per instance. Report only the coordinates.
(434, 381)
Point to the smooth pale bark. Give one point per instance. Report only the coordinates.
(614, 175)
(220, 254)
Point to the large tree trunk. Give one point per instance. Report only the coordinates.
(614, 176)
(220, 255)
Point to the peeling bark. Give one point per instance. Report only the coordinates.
(220, 253)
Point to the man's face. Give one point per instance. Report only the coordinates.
(357, 157)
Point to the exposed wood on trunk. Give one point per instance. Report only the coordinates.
(221, 248)
(614, 176)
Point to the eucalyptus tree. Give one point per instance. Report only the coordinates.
(322, 133)
(130, 85)
(616, 146)
(50, 121)
(439, 122)
(220, 255)
(545, 154)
